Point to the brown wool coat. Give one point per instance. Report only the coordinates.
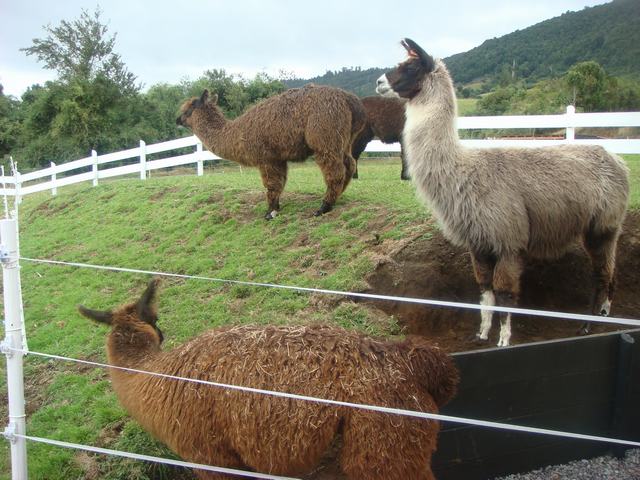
(235, 429)
(289, 127)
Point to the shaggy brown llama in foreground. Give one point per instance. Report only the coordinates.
(385, 120)
(289, 127)
(504, 204)
(266, 434)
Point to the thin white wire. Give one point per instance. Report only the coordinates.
(371, 296)
(374, 408)
(149, 458)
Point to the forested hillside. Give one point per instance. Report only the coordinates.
(608, 34)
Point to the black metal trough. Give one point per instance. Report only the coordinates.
(588, 385)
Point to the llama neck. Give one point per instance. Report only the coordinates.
(431, 136)
(130, 348)
(220, 137)
(434, 153)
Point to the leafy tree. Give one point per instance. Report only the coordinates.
(10, 125)
(588, 82)
(501, 100)
(81, 49)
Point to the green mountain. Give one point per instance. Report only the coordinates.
(361, 82)
(608, 34)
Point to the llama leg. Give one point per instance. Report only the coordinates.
(351, 168)
(274, 177)
(382, 446)
(483, 266)
(333, 170)
(359, 144)
(506, 283)
(602, 250)
(404, 174)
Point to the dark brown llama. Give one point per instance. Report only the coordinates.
(266, 434)
(506, 203)
(385, 120)
(289, 127)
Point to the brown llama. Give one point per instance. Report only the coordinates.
(506, 203)
(289, 127)
(385, 120)
(266, 434)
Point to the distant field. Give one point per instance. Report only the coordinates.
(467, 106)
(210, 226)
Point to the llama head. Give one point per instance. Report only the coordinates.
(408, 78)
(139, 317)
(190, 109)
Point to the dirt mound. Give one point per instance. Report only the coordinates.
(433, 268)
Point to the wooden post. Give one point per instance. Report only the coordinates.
(571, 131)
(94, 156)
(200, 167)
(143, 160)
(54, 187)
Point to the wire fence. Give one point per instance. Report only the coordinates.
(14, 347)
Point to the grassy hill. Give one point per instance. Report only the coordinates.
(608, 34)
(210, 226)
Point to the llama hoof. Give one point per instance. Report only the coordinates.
(585, 329)
(271, 215)
(324, 208)
(605, 308)
(477, 338)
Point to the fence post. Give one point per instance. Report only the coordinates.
(13, 340)
(94, 167)
(143, 160)
(54, 187)
(200, 161)
(571, 131)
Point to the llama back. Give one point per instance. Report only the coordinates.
(290, 112)
(313, 361)
(316, 361)
(433, 369)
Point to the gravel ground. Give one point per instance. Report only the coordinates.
(600, 468)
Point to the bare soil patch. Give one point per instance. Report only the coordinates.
(433, 268)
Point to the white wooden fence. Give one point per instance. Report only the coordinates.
(47, 178)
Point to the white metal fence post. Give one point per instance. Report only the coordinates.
(94, 167)
(54, 187)
(143, 160)
(199, 163)
(571, 131)
(13, 340)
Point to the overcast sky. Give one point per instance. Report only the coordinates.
(169, 40)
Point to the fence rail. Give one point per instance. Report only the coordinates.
(48, 178)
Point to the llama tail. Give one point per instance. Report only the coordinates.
(434, 369)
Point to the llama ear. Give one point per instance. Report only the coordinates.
(205, 96)
(144, 306)
(214, 99)
(415, 51)
(98, 316)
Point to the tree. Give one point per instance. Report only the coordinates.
(588, 82)
(10, 125)
(81, 49)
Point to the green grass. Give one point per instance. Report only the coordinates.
(467, 106)
(209, 226)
